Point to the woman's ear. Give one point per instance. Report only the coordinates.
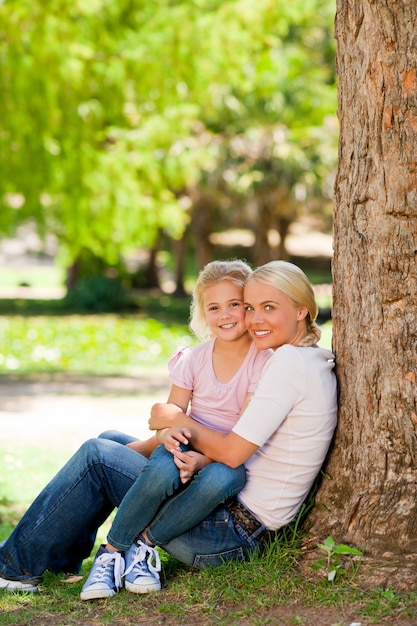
(302, 313)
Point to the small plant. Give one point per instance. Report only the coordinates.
(333, 561)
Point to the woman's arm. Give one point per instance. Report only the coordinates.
(229, 449)
(180, 398)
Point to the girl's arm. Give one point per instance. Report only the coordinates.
(180, 397)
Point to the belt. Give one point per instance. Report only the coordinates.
(248, 522)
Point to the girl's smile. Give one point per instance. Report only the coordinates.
(225, 313)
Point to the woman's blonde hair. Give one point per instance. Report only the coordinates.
(291, 280)
(235, 270)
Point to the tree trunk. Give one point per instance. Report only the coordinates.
(180, 250)
(152, 274)
(264, 223)
(202, 225)
(369, 498)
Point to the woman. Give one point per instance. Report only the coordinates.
(282, 437)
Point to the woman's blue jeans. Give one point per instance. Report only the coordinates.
(59, 529)
(185, 505)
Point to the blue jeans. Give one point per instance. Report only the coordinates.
(59, 529)
(185, 505)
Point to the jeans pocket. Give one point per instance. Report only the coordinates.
(218, 558)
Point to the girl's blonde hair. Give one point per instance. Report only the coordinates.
(292, 281)
(236, 271)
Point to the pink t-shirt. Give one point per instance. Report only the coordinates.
(215, 404)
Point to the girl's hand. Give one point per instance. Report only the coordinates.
(172, 437)
(189, 463)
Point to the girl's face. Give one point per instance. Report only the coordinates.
(225, 313)
(271, 317)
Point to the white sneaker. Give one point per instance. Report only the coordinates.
(105, 578)
(17, 585)
(141, 575)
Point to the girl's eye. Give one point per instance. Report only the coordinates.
(212, 308)
(234, 304)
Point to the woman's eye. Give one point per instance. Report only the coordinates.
(269, 307)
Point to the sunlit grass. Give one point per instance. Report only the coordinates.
(88, 344)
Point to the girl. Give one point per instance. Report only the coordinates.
(216, 379)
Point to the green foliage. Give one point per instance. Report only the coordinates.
(334, 558)
(97, 294)
(116, 109)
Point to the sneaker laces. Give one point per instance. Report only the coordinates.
(140, 558)
(103, 562)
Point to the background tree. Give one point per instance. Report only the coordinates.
(102, 102)
(370, 498)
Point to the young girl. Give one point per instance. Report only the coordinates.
(215, 380)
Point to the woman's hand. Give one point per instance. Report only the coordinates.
(189, 463)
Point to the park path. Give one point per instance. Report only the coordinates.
(63, 411)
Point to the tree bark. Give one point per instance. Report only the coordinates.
(369, 498)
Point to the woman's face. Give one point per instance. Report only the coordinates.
(271, 317)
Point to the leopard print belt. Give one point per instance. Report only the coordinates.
(248, 522)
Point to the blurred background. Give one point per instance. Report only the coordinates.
(140, 140)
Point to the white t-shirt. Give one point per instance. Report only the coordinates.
(215, 404)
(292, 417)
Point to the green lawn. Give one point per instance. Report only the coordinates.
(87, 344)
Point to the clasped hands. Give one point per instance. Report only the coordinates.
(189, 462)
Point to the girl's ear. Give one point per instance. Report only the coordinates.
(302, 313)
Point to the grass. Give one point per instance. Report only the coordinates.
(268, 589)
(271, 589)
(87, 344)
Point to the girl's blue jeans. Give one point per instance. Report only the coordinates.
(59, 529)
(184, 505)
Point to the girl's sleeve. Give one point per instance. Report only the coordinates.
(180, 368)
